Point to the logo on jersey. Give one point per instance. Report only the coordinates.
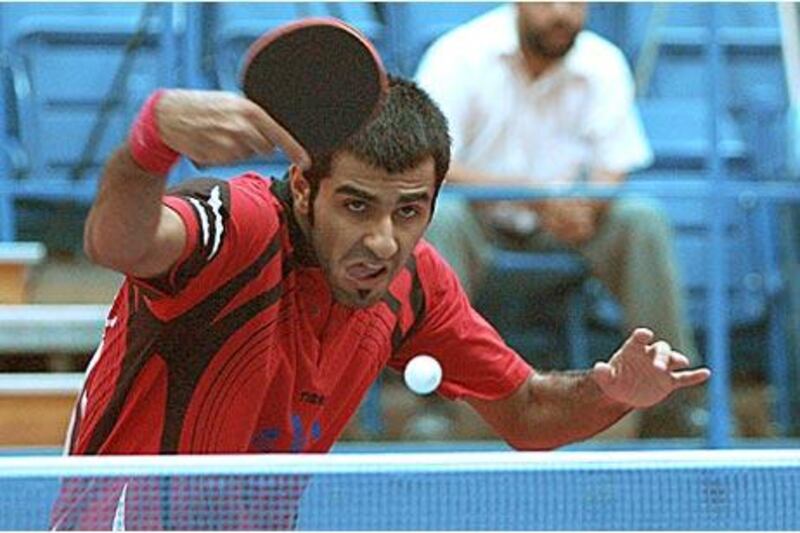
(313, 398)
(303, 437)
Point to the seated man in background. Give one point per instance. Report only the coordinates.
(534, 99)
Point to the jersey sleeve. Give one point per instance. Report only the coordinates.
(228, 223)
(475, 360)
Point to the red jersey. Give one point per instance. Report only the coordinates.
(242, 348)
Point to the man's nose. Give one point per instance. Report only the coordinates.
(563, 10)
(381, 239)
(561, 7)
(569, 10)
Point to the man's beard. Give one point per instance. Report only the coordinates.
(536, 44)
(355, 299)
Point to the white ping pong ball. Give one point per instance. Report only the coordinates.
(423, 374)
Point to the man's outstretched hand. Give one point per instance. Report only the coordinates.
(642, 372)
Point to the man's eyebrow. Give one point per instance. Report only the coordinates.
(415, 197)
(406, 198)
(353, 191)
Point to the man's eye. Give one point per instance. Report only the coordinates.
(408, 211)
(356, 206)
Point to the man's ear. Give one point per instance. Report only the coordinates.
(301, 190)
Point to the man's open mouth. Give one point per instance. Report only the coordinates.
(365, 272)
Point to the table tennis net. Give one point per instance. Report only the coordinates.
(689, 490)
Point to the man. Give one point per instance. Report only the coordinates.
(256, 314)
(532, 99)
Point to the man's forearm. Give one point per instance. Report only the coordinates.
(549, 410)
(124, 218)
(560, 408)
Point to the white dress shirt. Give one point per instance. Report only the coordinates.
(577, 117)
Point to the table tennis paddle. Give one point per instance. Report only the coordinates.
(318, 78)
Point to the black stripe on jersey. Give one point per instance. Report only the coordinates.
(417, 297)
(417, 301)
(187, 344)
(225, 377)
(210, 201)
(397, 337)
(394, 305)
(302, 250)
(187, 364)
(257, 338)
(188, 360)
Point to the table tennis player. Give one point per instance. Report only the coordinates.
(255, 313)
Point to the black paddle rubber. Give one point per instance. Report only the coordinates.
(319, 79)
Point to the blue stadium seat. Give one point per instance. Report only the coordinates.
(538, 302)
(749, 36)
(676, 113)
(748, 270)
(62, 60)
(792, 132)
(678, 131)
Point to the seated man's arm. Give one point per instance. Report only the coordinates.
(576, 220)
(570, 220)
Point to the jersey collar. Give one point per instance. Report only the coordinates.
(302, 249)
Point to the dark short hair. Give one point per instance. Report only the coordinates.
(408, 129)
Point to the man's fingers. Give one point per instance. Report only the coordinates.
(662, 355)
(220, 151)
(256, 142)
(642, 336)
(275, 133)
(603, 373)
(678, 361)
(690, 378)
(293, 149)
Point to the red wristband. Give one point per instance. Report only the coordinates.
(146, 145)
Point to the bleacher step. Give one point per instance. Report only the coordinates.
(51, 328)
(16, 260)
(35, 408)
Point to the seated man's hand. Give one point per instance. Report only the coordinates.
(571, 221)
(642, 372)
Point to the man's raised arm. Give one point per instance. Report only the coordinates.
(128, 228)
